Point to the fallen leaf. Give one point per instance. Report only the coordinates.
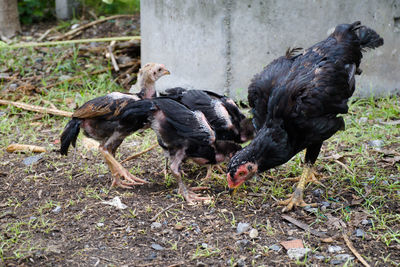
(297, 243)
(327, 240)
(337, 223)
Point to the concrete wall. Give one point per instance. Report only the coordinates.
(220, 45)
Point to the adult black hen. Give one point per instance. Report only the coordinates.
(302, 107)
(100, 120)
(182, 134)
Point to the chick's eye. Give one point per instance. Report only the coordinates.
(159, 69)
(154, 73)
(250, 168)
(241, 173)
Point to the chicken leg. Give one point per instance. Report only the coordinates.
(210, 169)
(117, 171)
(308, 175)
(187, 192)
(312, 178)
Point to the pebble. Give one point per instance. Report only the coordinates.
(297, 253)
(100, 224)
(152, 256)
(253, 233)
(157, 247)
(240, 263)
(363, 120)
(155, 225)
(2, 113)
(204, 245)
(32, 218)
(366, 222)
(275, 247)
(64, 77)
(319, 257)
(318, 192)
(200, 264)
(242, 243)
(376, 143)
(325, 204)
(333, 249)
(310, 209)
(359, 233)
(32, 159)
(39, 60)
(57, 209)
(242, 227)
(341, 258)
(73, 27)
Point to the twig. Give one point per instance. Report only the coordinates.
(303, 226)
(81, 41)
(132, 63)
(113, 60)
(163, 210)
(353, 249)
(36, 108)
(90, 24)
(139, 153)
(25, 148)
(344, 166)
(45, 34)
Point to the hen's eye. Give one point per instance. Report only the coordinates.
(250, 168)
(241, 173)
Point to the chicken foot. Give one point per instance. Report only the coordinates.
(312, 178)
(296, 198)
(210, 169)
(188, 193)
(117, 171)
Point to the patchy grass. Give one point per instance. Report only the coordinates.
(361, 188)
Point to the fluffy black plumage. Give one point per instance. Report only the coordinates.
(296, 100)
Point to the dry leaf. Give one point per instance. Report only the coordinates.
(297, 243)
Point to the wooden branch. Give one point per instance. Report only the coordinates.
(25, 148)
(110, 49)
(353, 249)
(140, 153)
(81, 41)
(36, 108)
(90, 24)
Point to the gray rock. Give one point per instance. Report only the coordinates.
(275, 247)
(242, 243)
(240, 263)
(32, 159)
(155, 225)
(363, 120)
(100, 224)
(200, 264)
(359, 233)
(319, 257)
(325, 204)
(157, 247)
(318, 192)
(310, 209)
(32, 218)
(297, 253)
(242, 227)
(376, 143)
(56, 209)
(341, 258)
(334, 249)
(204, 245)
(152, 256)
(366, 222)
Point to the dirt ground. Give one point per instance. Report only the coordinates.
(52, 211)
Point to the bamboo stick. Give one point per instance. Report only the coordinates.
(37, 108)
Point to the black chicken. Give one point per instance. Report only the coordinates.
(183, 134)
(221, 112)
(100, 120)
(302, 107)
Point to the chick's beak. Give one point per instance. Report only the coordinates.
(232, 191)
(166, 72)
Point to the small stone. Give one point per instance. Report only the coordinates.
(325, 204)
(253, 233)
(359, 233)
(200, 264)
(179, 227)
(2, 113)
(275, 247)
(362, 120)
(155, 225)
(340, 259)
(13, 86)
(334, 249)
(100, 224)
(32, 159)
(32, 218)
(204, 245)
(366, 222)
(64, 77)
(310, 209)
(152, 256)
(297, 253)
(74, 26)
(157, 247)
(240, 263)
(376, 143)
(128, 229)
(57, 209)
(318, 192)
(242, 243)
(319, 257)
(242, 227)
(39, 60)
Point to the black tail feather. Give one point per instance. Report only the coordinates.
(69, 135)
(369, 38)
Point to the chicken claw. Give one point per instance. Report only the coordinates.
(189, 194)
(295, 199)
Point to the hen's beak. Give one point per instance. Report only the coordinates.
(232, 191)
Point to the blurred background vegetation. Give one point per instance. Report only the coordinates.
(33, 11)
